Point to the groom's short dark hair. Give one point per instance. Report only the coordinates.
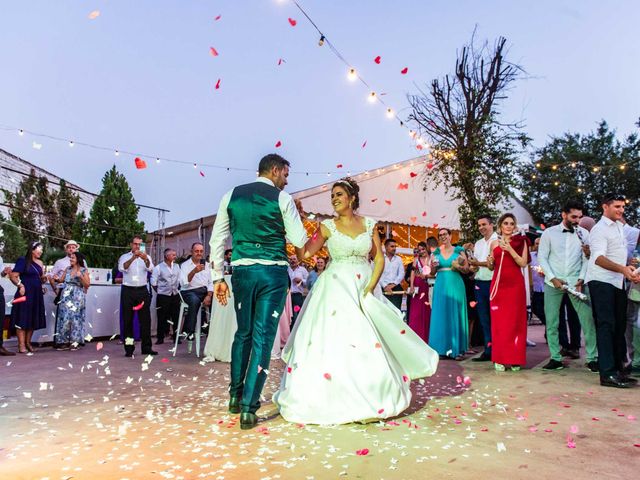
(272, 160)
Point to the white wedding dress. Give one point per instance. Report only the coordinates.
(349, 357)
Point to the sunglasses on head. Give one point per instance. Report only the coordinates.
(614, 197)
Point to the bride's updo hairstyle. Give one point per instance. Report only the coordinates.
(352, 189)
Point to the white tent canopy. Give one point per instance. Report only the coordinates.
(402, 193)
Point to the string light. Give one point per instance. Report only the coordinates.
(595, 169)
(372, 97)
(573, 164)
(157, 160)
(538, 165)
(21, 132)
(554, 167)
(321, 41)
(71, 144)
(116, 153)
(352, 75)
(622, 167)
(390, 113)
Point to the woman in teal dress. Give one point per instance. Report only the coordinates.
(449, 334)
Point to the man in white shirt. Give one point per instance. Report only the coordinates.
(393, 274)
(482, 280)
(605, 278)
(564, 263)
(298, 276)
(197, 287)
(165, 280)
(632, 334)
(135, 266)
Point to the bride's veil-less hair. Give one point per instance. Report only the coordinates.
(352, 188)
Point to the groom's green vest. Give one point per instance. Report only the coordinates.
(256, 223)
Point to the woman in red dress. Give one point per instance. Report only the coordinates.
(509, 254)
(420, 311)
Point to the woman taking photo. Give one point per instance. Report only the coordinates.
(70, 326)
(321, 264)
(509, 255)
(28, 315)
(420, 308)
(449, 334)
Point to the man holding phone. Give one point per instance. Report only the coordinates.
(197, 286)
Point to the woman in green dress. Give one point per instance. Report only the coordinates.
(449, 334)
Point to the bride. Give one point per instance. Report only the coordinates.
(350, 356)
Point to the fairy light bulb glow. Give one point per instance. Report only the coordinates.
(157, 160)
(554, 167)
(116, 153)
(352, 75)
(71, 144)
(372, 97)
(390, 113)
(21, 132)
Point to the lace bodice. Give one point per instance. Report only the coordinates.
(343, 248)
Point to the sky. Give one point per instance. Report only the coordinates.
(140, 77)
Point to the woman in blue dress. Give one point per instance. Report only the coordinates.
(71, 313)
(449, 334)
(28, 315)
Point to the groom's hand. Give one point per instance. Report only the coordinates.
(221, 291)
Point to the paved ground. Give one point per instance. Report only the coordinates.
(94, 414)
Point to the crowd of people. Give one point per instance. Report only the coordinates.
(582, 274)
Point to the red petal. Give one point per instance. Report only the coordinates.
(402, 332)
(19, 300)
(358, 275)
(405, 378)
(292, 22)
(362, 452)
(424, 214)
(278, 144)
(364, 144)
(378, 59)
(378, 346)
(140, 164)
(429, 165)
(413, 174)
(201, 173)
(289, 369)
(139, 306)
(339, 165)
(381, 410)
(404, 70)
(213, 52)
(280, 61)
(388, 202)
(296, 308)
(419, 147)
(165, 360)
(217, 18)
(218, 84)
(327, 376)
(473, 304)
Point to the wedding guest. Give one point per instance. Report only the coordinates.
(419, 312)
(227, 268)
(298, 276)
(196, 287)
(4, 271)
(70, 331)
(393, 273)
(28, 315)
(408, 269)
(165, 281)
(605, 278)
(482, 280)
(321, 264)
(449, 329)
(432, 244)
(135, 265)
(563, 261)
(537, 284)
(507, 296)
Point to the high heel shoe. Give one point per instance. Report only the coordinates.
(499, 367)
(29, 348)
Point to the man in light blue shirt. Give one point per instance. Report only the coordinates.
(563, 262)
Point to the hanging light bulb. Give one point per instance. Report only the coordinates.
(321, 41)
(21, 132)
(573, 164)
(595, 169)
(579, 190)
(71, 144)
(158, 160)
(352, 75)
(116, 153)
(622, 167)
(533, 176)
(372, 97)
(390, 113)
(538, 165)
(554, 167)
(556, 183)
(195, 165)
(412, 133)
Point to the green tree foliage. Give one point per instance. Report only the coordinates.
(474, 153)
(12, 242)
(584, 168)
(113, 221)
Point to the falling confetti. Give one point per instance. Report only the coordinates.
(139, 306)
(403, 186)
(93, 15)
(217, 87)
(278, 144)
(378, 59)
(364, 144)
(140, 164)
(217, 18)
(362, 452)
(404, 70)
(213, 52)
(292, 22)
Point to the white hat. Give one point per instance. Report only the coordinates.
(71, 242)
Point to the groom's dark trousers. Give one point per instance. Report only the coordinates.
(259, 293)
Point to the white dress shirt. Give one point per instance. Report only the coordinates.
(294, 231)
(200, 279)
(560, 254)
(300, 273)
(481, 251)
(166, 278)
(393, 271)
(136, 274)
(607, 239)
(631, 235)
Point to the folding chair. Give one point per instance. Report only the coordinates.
(183, 310)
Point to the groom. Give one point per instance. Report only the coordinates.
(257, 215)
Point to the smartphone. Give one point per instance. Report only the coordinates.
(203, 261)
(142, 247)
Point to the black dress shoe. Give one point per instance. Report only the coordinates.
(4, 352)
(234, 405)
(614, 381)
(628, 379)
(149, 352)
(248, 420)
(553, 365)
(593, 366)
(128, 354)
(482, 358)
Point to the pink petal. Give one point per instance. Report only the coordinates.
(364, 451)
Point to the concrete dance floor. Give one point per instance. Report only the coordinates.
(94, 414)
